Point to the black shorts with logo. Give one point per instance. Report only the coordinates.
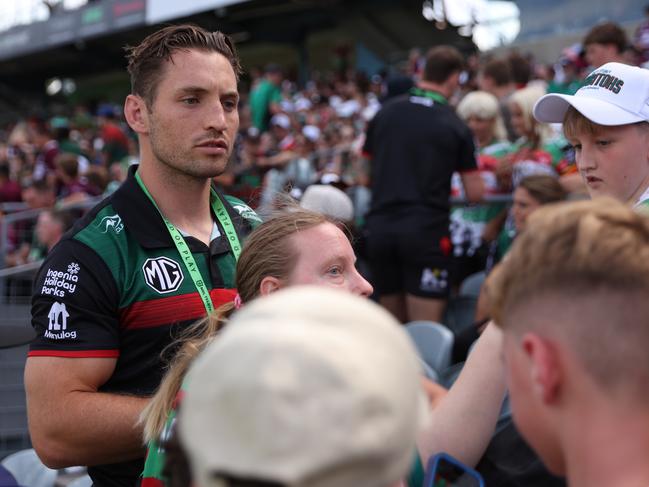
(416, 263)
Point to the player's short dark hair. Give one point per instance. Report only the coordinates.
(441, 63)
(146, 61)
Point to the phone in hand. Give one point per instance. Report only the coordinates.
(445, 471)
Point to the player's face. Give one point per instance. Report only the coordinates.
(614, 161)
(194, 117)
(326, 258)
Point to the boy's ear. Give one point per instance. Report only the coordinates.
(269, 284)
(136, 114)
(545, 367)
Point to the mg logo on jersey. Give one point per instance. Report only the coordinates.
(163, 274)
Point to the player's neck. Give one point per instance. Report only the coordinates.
(183, 200)
(612, 451)
(442, 89)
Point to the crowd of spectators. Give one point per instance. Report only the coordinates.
(292, 137)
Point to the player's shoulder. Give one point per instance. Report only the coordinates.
(244, 211)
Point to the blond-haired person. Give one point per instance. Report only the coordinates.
(572, 302)
(537, 150)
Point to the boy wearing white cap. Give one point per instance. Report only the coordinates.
(606, 121)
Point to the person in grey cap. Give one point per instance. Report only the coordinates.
(606, 123)
(315, 387)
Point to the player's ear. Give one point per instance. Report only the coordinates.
(546, 373)
(136, 114)
(269, 284)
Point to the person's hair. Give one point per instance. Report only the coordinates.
(267, 252)
(607, 33)
(146, 62)
(525, 98)
(441, 63)
(485, 106)
(62, 217)
(594, 256)
(68, 164)
(499, 71)
(543, 188)
(40, 186)
(575, 124)
(520, 68)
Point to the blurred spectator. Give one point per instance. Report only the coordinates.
(641, 37)
(605, 43)
(46, 149)
(265, 97)
(538, 150)
(474, 226)
(61, 132)
(114, 142)
(9, 189)
(521, 69)
(568, 71)
(39, 194)
(50, 227)
(496, 78)
(69, 183)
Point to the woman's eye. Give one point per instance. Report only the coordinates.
(603, 143)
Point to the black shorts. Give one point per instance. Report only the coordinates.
(414, 263)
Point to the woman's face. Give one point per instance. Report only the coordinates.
(519, 123)
(523, 206)
(482, 128)
(326, 258)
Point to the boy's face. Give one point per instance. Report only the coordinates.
(614, 161)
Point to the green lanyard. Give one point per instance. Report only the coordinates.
(433, 95)
(183, 249)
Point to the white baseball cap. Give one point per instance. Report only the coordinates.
(328, 200)
(613, 94)
(306, 387)
(281, 120)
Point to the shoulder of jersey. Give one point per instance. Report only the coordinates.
(244, 210)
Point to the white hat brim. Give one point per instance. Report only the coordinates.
(552, 108)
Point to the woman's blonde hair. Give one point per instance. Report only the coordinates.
(267, 252)
(484, 106)
(525, 99)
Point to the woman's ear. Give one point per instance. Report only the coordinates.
(269, 284)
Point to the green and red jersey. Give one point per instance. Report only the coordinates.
(115, 286)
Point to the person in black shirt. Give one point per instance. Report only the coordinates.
(415, 143)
